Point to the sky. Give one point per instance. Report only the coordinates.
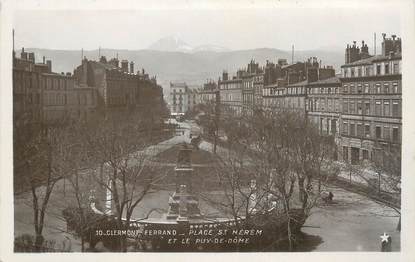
(306, 28)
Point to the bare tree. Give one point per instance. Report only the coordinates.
(262, 150)
(40, 154)
(386, 163)
(118, 144)
(210, 120)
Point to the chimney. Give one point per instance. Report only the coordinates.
(49, 63)
(124, 66)
(32, 57)
(225, 75)
(23, 55)
(132, 67)
(312, 75)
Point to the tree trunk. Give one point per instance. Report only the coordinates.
(319, 183)
(215, 141)
(39, 241)
(301, 189)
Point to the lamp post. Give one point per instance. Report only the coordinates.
(379, 189)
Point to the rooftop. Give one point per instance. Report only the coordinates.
(302, 83)
(331, 80)
(178, 84)
(370, 60)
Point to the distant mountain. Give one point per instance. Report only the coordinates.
(213, 48)
(192, 67)
(175, 44)
(171, 44)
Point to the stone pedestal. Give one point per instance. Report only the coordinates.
(183, 204)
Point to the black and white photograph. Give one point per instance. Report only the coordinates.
(259, 127)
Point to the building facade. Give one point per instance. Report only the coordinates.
(42, 96)
(371, 99)
(230, 92)
(323, 105)
(182, 98)
(118, 87)
(361, 107)
(208, 94)
(286, 85)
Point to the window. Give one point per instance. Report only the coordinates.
(378, 69)
(366, 89)
(365, 154)
(396, 109)
(345, 89)
(352, 72)
(345, 107)
(352, 131)
(333, 126)
(396, 68)
(336, 105)
(359, 72)
(352, 107)
(395, 88)
(352, 90)
(386, 88)
(345, 153)
(359, 130)
(378, 132)
(378, 108)
(386, 69)
(359, 89)
(323, 104)
(359, 107)
(386, 133)
(367, 71)
(377, 89)
(345, 128)
(395, 134)
(386, 108)
(367, 131)
(367, 108)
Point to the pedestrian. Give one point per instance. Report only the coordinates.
(330, 196)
